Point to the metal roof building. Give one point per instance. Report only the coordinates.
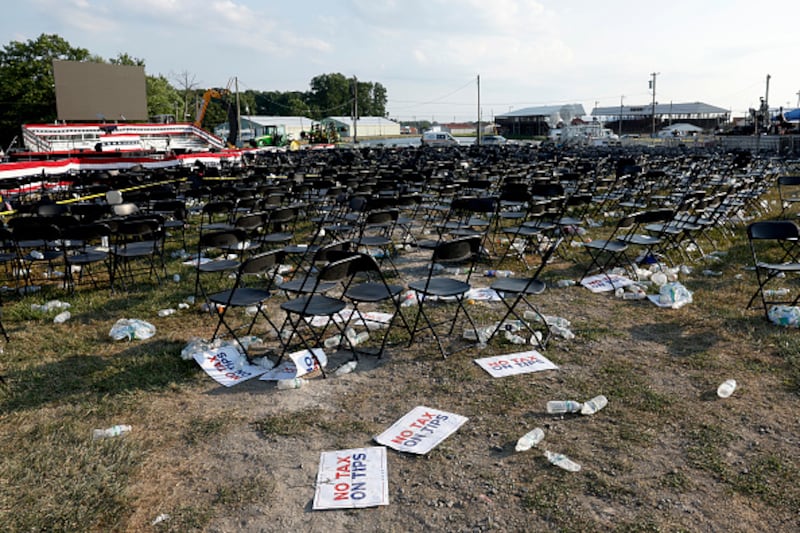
(364, 126)
(639, 118)
(537, 121)
(253, 126)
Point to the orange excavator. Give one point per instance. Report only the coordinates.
(207, 96)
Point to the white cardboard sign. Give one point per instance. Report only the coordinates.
(512, 364)
(420, 430)
(353, 478)
(299, 364)
(227, 366)
(605, 282)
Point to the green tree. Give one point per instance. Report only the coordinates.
(331, 95)
(27, 87)
(162, 98)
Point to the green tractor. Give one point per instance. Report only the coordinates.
(273, 136)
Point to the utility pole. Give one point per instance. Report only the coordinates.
(653, 108)
(620, 114)
(479, 110)
(238, 116)
(355, 110)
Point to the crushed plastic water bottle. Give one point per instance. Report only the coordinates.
(113, 431)
(529, 440)
(726, 388)
(595, 404)
(562, 283)
(559, 407)
(346, 368)
(513, 338)
(562, 461)
(776, 292)
(290, 383)
(62, 317)
(498, 273)
(166, 312)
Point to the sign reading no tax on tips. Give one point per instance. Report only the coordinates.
(420, 430)
(352, 479)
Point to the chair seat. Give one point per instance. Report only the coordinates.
(372, 292)
(242, 297)
(307, 284)
(440, 287)
(613, 246)
(220, 265)
(641, 240)
(300, 249)
(314, 305)
(374, 240)
(519, 285)
(277, 237)
(86, 257)
(780, 267)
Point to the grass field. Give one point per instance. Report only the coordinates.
(665, 455)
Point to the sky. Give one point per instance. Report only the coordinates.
(444, 60)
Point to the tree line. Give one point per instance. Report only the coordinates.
(27, 91)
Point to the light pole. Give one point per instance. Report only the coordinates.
(653, 108)
(620, 115)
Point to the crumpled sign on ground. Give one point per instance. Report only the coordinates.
(227, 365)
(299, 364)
(605, 282)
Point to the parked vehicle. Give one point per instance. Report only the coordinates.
(438, 138)
(493, 140)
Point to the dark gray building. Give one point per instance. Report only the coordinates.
(638, 119)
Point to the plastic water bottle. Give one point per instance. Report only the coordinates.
(166, 312)
(594, 405)
(776, 292)
(562, 283)
(332, 342)
(498, 273)
(346, 368)
(62, 317)
(529, 440)
(726, 388)
(557, 407)
(513, 338)
(360, 338)
(290, 383)
(113, 431)
(562, 461)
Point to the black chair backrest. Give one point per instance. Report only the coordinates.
(222, 239)
(457, 250)
(773, 229)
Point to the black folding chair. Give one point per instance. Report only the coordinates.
(518, 290)
(260, 269)
(459, 252)
(774, 247)
(375, 289)
(302, 310)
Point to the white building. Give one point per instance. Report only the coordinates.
(364, 126)
(255, 126)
